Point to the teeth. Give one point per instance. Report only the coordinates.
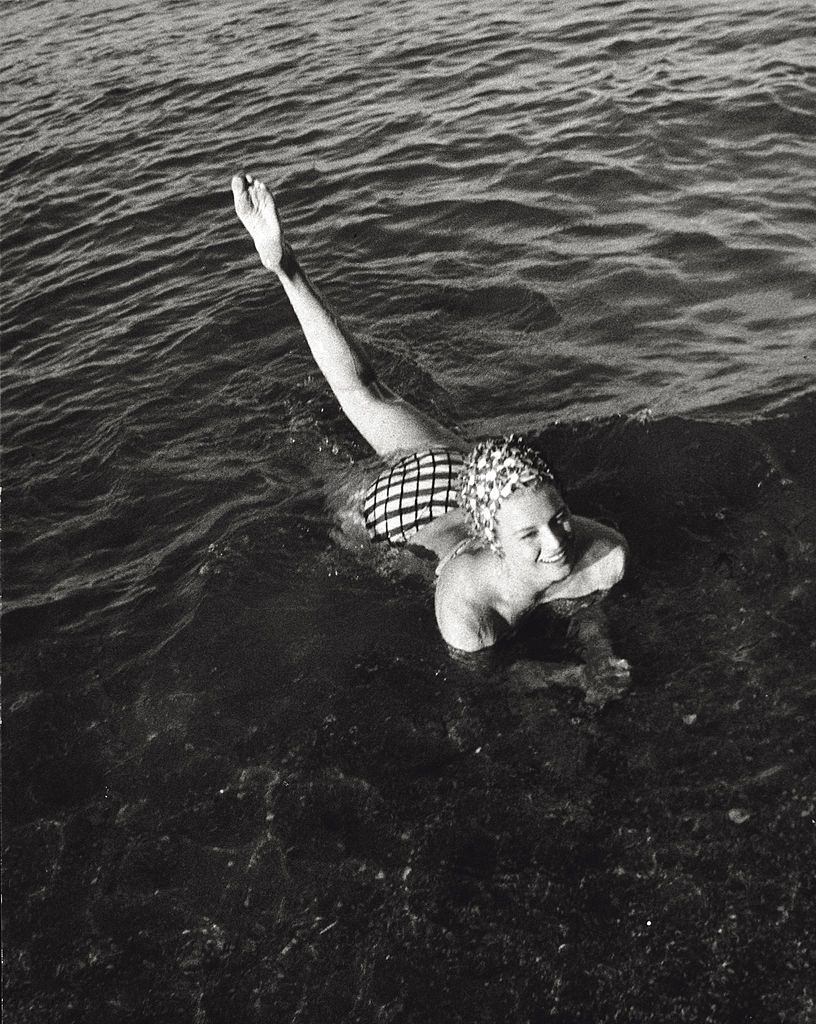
(554, 558)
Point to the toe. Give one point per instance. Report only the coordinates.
(262, 196)
(241, 195)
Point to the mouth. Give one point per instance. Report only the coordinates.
(559, 558)
(563, 556)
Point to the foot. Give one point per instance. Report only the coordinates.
(256, 211)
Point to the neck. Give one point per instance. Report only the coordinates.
(513, 590)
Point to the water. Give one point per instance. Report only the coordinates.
(241, 771)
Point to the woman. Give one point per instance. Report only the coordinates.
(494, 516)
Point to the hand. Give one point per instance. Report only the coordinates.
(605, 679)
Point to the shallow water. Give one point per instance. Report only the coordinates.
(243, 778)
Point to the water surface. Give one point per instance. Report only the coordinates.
(244, 779)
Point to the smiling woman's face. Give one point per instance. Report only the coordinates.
(534, 529)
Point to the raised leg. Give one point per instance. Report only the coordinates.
(385, 420)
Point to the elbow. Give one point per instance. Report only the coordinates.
(619, 560)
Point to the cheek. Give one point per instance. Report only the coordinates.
(523, 550)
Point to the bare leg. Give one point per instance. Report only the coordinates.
(385, 420)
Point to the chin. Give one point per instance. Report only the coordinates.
(560, 570)
(552, 571)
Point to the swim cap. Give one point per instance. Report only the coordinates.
(492, 471)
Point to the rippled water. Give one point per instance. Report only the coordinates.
(591, 221)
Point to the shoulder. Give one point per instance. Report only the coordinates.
(464, 621)
(602, 555)
(463, 630)
(604, 552)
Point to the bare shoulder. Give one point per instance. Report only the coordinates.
(601, 563)
(599, 543)
(464, 621)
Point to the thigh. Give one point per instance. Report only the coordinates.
(390, 424)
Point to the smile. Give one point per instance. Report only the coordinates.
(559, 556)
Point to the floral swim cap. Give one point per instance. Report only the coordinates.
(492, 471)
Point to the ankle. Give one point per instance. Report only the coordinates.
(288, 266)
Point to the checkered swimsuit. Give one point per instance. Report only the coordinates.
(415, 491)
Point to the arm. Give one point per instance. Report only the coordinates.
(606, 676)
(461, 626)
(601, 562)
(599, 674)
(465, 624)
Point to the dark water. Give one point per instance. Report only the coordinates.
(243, 779)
